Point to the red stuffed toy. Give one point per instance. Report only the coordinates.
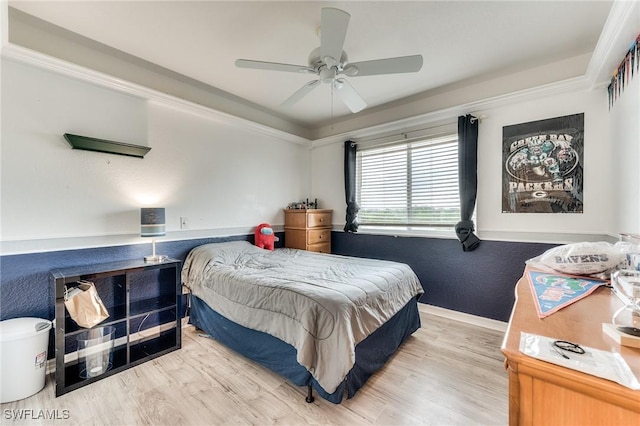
(265, 237)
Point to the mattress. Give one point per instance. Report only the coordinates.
(323, 305)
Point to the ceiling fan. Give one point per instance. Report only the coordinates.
(329, 62)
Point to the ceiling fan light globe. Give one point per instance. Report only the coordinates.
(327, 75)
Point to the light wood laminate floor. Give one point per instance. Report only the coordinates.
(447, 373)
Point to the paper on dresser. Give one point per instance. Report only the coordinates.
(608, 365)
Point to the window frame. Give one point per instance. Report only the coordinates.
(411, 146)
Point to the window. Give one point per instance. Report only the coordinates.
(412, 184)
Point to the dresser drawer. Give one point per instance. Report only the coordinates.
(308, 229)
(315, 236)
(320, 247)
(295, 219)
(318, 219)
(295, 238)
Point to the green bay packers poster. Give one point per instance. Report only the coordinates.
(542, 166)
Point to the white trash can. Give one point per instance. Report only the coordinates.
(23, 357)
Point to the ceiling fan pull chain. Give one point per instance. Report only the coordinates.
(332, 89)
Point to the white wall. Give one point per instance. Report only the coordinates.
(220, 175)
(598, 199)
(624, 135)
(224, 176)
(328, 181)
(49, 190)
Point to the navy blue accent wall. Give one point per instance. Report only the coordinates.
(480, 282)
(24, 278)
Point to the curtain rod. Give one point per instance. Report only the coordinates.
(405, 136)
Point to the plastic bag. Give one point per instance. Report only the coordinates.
(585, 258)
(608, 365)
(84, 305)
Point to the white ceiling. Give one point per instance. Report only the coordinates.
(459, 40)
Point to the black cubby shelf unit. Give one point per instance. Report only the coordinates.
(143, 301)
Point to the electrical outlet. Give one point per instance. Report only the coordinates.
(184, 222)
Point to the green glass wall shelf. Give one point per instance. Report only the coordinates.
(100, 145)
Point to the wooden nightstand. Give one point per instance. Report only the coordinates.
(308, 229)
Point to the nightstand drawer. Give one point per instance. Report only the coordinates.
(315, 236)
(319, 219)
(320, 247)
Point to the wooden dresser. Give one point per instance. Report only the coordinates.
(308, 229)
(541, 393)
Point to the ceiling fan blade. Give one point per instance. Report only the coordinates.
(273, 66)
(384, 66)
(349, 96)
(333, 30)
(300, 93)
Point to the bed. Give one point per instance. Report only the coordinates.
(323, 321)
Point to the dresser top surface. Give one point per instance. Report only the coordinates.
(117, 266)
(308, 210)
(581, 322)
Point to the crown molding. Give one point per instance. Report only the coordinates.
(474, 108)
(612, 36)
(48, 63)
(4, 22)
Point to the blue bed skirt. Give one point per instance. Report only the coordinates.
(280, 357)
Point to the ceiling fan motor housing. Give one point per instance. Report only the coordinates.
(316, 62)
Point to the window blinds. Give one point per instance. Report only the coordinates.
(409, 184)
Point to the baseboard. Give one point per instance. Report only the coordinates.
(463, 317)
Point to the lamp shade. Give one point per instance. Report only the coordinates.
(152, 222)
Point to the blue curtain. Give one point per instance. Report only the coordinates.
(467, 180)
(350, 186)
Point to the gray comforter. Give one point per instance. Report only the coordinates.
(323, 305)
